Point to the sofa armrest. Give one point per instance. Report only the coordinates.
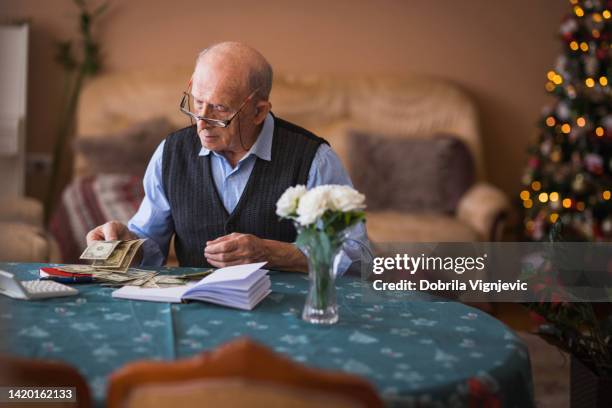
(23, 243)
(484, 208)
(22, 210)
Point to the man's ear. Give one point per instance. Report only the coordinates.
(261, 111)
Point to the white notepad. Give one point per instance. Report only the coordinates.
(240, 286)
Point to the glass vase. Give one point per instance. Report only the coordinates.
(323, 253)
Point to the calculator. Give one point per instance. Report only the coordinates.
(37, 289)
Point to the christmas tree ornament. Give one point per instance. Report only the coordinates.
(561, 66)
(527, 179)
(568, 27)
(606, 122)
(546, 147)
(594, 163)
(563, 111)
(591, 66)
(578, 185)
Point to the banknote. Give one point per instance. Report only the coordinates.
(84, 269)
(144, 279)
(116, 258)
(122, 257)
(99, 250)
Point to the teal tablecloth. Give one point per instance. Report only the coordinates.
(414, 352)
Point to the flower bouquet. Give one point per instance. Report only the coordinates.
(322, 216)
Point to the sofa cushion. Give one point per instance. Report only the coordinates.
(410, 174)
(125, 152)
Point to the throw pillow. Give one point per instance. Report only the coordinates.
(410, 174)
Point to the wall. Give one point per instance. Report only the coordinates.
(498, 51)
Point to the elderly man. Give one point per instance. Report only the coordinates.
(215, 184)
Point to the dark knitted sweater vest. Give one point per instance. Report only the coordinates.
(197, 209)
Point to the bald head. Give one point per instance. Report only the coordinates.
(244, 67)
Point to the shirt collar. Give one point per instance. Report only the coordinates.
(262, 147)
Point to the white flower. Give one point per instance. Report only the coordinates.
(288, 202)
(345, 198)
(313, 204)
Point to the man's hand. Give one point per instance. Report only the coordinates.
(236, 249)
(111, 231)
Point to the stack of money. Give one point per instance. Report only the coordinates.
(116, 256)
(111, 262)
(134, 276)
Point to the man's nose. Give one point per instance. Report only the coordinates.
(205, 111)
(202, 124)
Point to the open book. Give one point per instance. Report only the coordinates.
(240, 286)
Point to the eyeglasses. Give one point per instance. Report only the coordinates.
(222, 123)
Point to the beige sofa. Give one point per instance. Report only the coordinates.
(412, 106)
(22, 236)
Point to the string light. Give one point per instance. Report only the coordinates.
(554, 217)
(603, 81)
(566, 128)
(606, 195)
(554, 196)
(579, 11)
(536, 186)
(550, 86)
(595, 33)
(580, 206)
(581, 121)
(574, 46)
(590, 82)
(529, 225)
(524, 195)
(584, 46)
(543, 197)
(606, 14)
(550, 75)
(599, 131)
(558, 80)
(550, 121)
(567, 203)
(597, 17)
(527, 203)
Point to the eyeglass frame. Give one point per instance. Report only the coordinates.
(221, 123)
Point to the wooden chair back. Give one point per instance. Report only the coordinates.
(231, 393)
(241, 359)
(22, 372)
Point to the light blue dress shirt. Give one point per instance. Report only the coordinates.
(154, 217)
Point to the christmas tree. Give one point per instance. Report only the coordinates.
(568, 178)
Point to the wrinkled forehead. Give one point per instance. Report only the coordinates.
(215, 81)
